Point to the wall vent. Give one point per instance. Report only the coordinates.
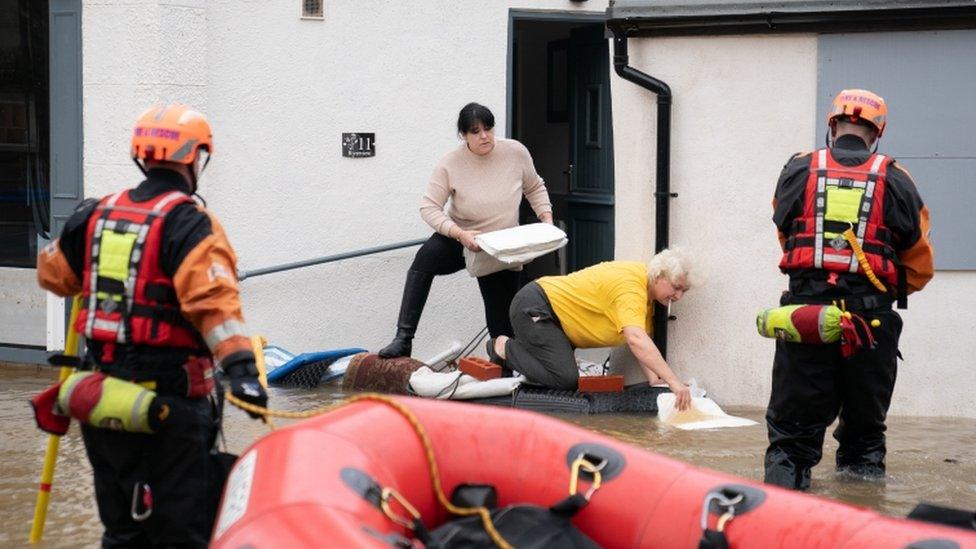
(312, 9)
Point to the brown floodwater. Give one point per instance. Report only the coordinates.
(929, 459)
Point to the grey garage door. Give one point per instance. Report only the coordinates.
(928, 79)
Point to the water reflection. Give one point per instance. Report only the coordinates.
(929, 459)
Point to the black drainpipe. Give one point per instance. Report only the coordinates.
(662, 191)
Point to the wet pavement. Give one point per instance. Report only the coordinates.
(929, 459)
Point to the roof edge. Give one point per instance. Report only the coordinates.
(769, 22)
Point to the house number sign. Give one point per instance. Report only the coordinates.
(358, 145)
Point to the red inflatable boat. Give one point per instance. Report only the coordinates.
(317, 484)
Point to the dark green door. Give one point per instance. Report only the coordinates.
(590, 200)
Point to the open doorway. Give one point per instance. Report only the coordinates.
(559, 108)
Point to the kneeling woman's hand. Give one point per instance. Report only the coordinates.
(682, 395)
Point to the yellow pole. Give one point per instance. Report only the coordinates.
(258, 343)
(54, 441)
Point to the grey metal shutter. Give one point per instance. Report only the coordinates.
(928, 79)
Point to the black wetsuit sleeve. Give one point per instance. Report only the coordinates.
(902, 208)
(73, 235)
(790, 190)
(184, 228)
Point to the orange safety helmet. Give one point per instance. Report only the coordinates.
(172, 133)
(855, 105)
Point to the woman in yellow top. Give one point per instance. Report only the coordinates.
(604, 305)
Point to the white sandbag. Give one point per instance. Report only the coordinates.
(511, 248)
(703, 414)
(457, 386)
(522, 243)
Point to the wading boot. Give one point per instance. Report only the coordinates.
(415, 293)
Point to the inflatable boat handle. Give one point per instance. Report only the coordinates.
(722, 501)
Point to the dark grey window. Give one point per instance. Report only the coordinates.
(24, 143)
(928, 79)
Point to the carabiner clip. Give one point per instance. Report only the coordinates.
(385, 506)
(582, 463)
(147, 502)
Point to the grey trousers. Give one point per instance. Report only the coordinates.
(540, 349)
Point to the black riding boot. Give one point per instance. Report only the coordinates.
(415, 293)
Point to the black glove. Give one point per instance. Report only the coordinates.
(244, 382)
(249, 389)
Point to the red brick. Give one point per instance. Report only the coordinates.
(601, 384)
(479, 368)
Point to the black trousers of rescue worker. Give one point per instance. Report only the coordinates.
(813, 384)
(540, 349)
(441, 255)
(175, 463)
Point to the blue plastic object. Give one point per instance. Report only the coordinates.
(275, 356)
(306, 362)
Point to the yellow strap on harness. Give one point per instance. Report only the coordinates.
(859, 253)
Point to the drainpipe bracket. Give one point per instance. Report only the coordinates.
(659, 194)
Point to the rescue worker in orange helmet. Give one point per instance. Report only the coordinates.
(161, 307)
(829, 203)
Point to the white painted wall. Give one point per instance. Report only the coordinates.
(279, 92)
(742, 106)
(22, 307)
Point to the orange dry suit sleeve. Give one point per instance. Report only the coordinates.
(59, 264)
(918, 259)
(206, 286)
(908, 218)
(53, 272)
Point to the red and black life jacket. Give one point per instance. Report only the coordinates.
(128, 299)
(839, 197)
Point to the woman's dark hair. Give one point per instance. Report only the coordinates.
(471, 114)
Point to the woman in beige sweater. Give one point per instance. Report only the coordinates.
(482, 183)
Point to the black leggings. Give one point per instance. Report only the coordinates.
(441, 255)
(540, 349)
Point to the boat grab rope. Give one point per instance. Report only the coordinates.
(418, 428)
(268, 412)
